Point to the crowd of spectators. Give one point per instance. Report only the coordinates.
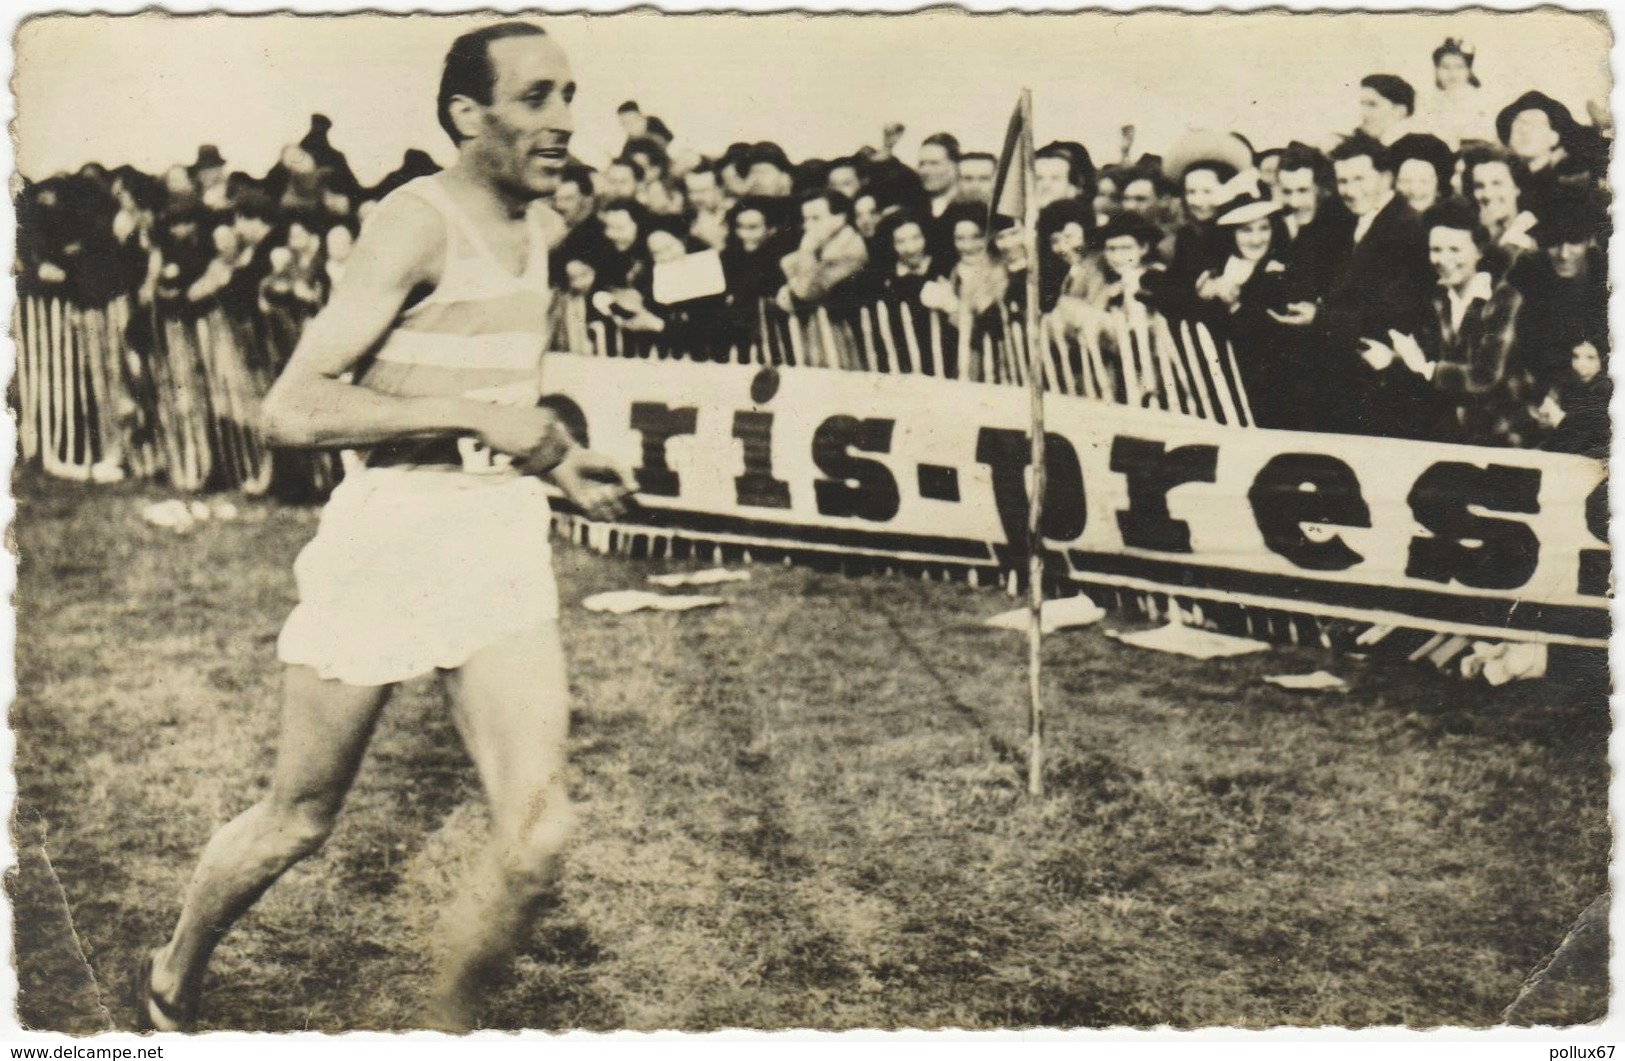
(1437, 270)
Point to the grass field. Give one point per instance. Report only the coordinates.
(803, 809)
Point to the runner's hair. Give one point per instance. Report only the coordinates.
(468, 70)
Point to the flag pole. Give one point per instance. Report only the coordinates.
(1035, 507)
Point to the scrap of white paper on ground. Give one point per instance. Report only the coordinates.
(622, 601)
(1056, 615)
(1319, 681)
(179, 516)
(709, 577)
(1189, 641)
(1500, 663)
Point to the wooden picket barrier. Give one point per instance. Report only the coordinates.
(91, 407)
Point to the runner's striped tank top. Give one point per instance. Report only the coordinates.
(480, 334)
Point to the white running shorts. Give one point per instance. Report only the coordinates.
(411, 570)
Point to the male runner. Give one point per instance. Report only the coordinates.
(434, 555)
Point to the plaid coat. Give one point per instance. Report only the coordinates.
(1485, 385)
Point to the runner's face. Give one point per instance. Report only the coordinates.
(525, 130)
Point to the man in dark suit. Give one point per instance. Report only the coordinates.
(1318, 230)
(1379, 283)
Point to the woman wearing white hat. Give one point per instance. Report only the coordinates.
(1241, 297)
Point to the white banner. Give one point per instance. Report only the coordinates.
(1488, 542)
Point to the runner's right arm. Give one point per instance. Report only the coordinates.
(310, 407)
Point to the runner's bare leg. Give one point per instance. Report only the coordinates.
(511, 704)
(325, 729)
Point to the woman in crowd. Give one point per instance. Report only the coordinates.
(1117, 323)
(1063, 239)
(1496, 181)
(1460, 375)
(623, 261)
(1457, 111)
(622, 274)
(979, 285)
(1424, 170)
(1248, 295)
(914, 320)
(1064, 249)
(750, 267)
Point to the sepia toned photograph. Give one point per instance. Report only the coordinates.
(644, 522)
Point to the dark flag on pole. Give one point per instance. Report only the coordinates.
(1015, 197)
(1015, 163)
